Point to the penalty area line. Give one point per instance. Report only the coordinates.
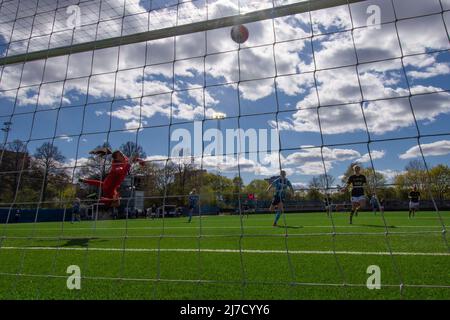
(254, 251)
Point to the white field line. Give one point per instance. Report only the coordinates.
(218, 227)
(314, 252)
(316, 284)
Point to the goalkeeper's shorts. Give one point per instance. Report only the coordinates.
(358, 199)
(277, 199)
(414, 205)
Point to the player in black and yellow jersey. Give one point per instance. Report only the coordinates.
(358, 182)
(414, 201)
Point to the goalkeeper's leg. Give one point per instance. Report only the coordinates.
(278, 215)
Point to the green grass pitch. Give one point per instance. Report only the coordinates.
(226, 257)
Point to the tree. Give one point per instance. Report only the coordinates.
(17, 146)
(68, 194)
(153, 178)
(322, 182)
(314, 194)
(440, 181)
(222, 188)
(376, 181)
(132, 149)
(15, 160)
(314, 188)
(314, 183)
(48, 157)
(238, 184)
(415, 174)
(415, 165)
(401, 186)
(184, 173)
(326, 181)
(95, 167)
(259, 189)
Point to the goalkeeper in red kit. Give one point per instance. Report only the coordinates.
(120, 168)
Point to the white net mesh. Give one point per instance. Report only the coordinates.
(318, 87)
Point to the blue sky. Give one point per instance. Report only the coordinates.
(137, 93)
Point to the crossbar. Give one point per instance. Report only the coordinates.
(276, 12)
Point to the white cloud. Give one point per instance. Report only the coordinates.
(374, 155)
(133, 125)
(390, 174)
(332, 18)
(155, 158)
(80, 162)
(313, 161)
(419, 34)
(335, 87)
(298, 84)
(438, 148)
(300, 185)
(307, 161)
(349, 118)
(315, 168)
(433, 71)
(66, 138)
(318, 154)
(232, 164)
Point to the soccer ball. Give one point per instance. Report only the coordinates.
(239, 34)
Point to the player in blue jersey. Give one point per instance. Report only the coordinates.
(76, 208)
(280, 187)
(193, 203)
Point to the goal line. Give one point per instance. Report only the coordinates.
(250, 251)
(223, 282)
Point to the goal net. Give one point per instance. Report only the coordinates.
(141, 149)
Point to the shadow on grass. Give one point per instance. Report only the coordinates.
(375, 226)
(78, 242)
(75, 242)
(289, 227)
